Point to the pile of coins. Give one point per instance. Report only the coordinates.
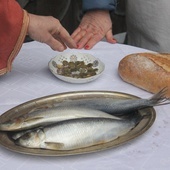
(77, 69)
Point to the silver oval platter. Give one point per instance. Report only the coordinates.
(73, 97)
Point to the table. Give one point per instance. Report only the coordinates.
(30, 79)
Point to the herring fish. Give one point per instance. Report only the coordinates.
(120, 107)
(48, 116)
(70, 109)
(77, 133)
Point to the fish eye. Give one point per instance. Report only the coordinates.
(26, 136)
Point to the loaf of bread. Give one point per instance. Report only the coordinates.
(149, 71)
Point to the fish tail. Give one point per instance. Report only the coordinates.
(160, 98)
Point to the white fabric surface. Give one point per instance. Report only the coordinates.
(30, 79)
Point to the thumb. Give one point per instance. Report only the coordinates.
(110, 38)
(55, 44)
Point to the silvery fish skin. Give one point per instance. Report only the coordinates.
(77, 133)
(119, 107)
(51, 115)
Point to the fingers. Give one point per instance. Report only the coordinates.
(110, 38)
(75, 32)
(80, 35)
(64, 37)
(55, 44)
(60, 39)
(84, 40)
(96, 38)
(88, 39)
(92, 41)
(52, 32)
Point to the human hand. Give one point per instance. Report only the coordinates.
(47, 29)
(94, 26)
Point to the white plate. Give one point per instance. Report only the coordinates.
(87, 58)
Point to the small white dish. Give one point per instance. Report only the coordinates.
(74, 57)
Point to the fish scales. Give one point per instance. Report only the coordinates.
(77, 133)
(51, 115)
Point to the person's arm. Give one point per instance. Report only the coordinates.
(14, 23)
(109, 5)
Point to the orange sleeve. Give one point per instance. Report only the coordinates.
(13, 29)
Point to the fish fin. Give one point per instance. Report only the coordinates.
(33, 119)
(160, 97)
(54, 146)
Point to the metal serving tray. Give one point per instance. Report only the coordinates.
(59, 99)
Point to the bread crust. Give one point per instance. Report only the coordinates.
(149, 71)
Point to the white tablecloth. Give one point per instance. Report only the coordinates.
(30, 78)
